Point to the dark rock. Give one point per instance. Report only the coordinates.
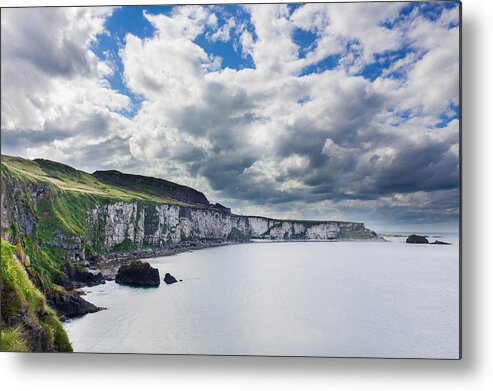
(440, 242)
(169, 279)
(78, 276)
(70, 304)
(66, 283)
(138, 273)
(416, 239)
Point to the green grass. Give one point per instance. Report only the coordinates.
(69, 179)
(12, 340)
(65, 213)
(19, 295)
(154, 188)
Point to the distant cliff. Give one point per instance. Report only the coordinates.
(134, 225)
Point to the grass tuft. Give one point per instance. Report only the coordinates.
(12, 340)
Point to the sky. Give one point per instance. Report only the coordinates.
(343, 111)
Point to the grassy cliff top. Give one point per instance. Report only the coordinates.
(107, 184)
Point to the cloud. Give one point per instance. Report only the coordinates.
(54, 94)
(349, 28)
(279, 137)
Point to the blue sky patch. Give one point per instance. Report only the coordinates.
(326, 64)
(429, 10)
(231, 50)
(306, 40)
(449, 115)
(383, 61)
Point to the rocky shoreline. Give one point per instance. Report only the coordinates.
(108, 264)
(104, 267)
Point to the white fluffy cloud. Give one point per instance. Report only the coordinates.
(55, 100)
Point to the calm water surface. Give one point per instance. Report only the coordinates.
(307, 298)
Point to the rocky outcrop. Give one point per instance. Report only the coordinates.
(417, 239)
(169, 279)
(138, 273)
(70, 304)
(71, 244)
(77, 276)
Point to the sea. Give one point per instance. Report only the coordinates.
(383, 299)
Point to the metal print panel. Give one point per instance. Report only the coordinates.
(268, 179)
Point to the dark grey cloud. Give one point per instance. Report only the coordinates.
(19, 140)
(429, 208)
(89, 127)
(416, 168)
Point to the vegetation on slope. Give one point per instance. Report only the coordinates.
(12, 340)
(69, 179)
(28, 323)
(152, 186)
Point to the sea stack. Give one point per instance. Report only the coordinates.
(138, 273)
(416, 239)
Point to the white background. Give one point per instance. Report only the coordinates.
(473, 372)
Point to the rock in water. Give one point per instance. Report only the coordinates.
(417, 239)
(440, 242)
(169, 279)
(138, 273)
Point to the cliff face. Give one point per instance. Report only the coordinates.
(16, 205)
(135, 225)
